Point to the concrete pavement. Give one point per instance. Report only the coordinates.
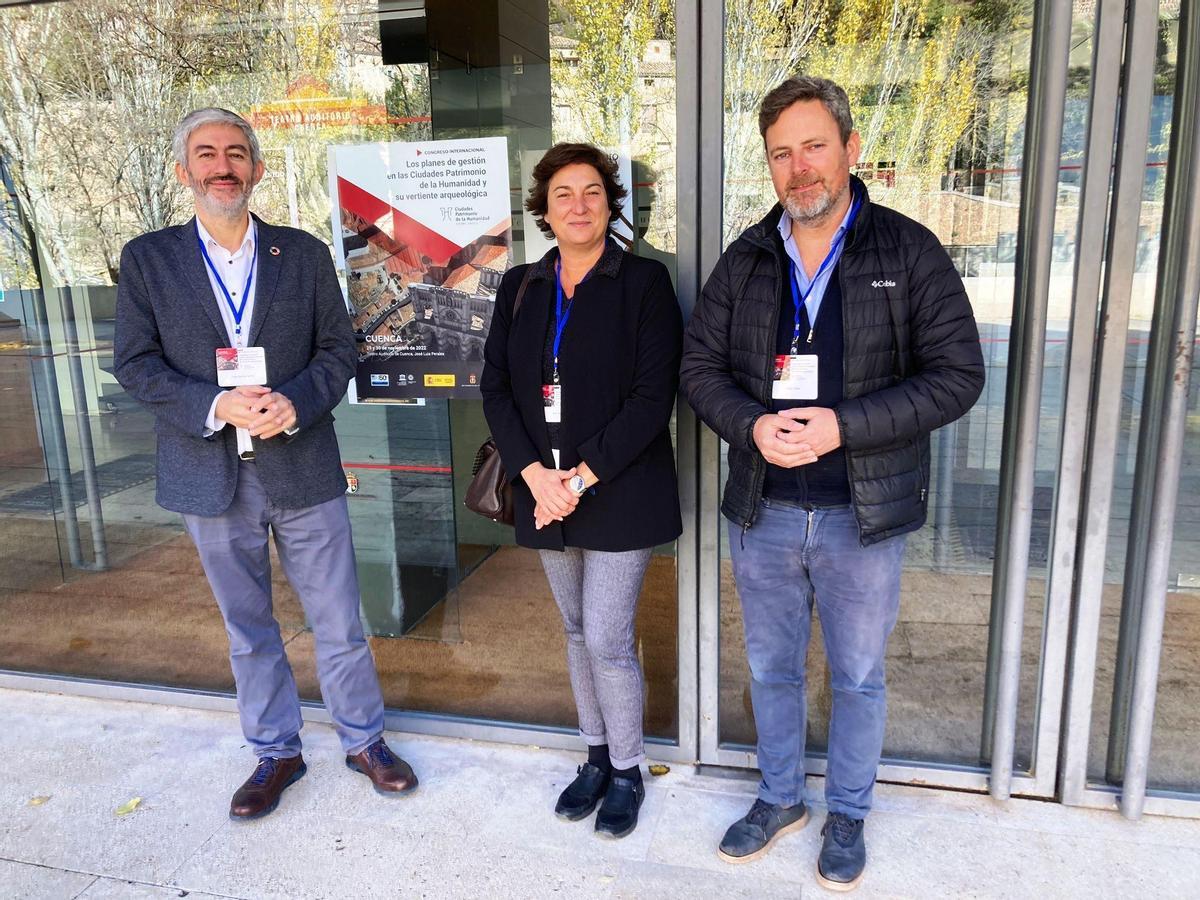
(481, 825)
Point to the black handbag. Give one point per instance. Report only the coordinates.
(490, 493)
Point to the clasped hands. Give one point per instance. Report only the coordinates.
(553, 500)
(797, 437)
(261, 411)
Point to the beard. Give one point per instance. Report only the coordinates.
(815, 205)
(233, 208)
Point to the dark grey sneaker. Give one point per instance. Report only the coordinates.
(752, 835)
(843, 854)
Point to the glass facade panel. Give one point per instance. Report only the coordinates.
(941, 113)
(97, 581)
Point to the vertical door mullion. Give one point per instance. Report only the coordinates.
(710, 193)
(1039, 202)
(1089, 257)
(1137, 90)
(1160, 449)
(691, 462)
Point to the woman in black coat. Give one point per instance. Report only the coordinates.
(578, 388)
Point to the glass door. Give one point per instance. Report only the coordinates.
(940, 101)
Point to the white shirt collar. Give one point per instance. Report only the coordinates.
(247, 242)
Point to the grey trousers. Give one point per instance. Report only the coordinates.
(317, 555)
(597, 593)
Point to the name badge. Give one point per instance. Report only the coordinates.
(552, 402)
(241, 365)
(795, 378)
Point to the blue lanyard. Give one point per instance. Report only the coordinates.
(801, 300)
(560, 318)
(240, 309)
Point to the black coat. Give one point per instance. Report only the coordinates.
(619, 370)
(912, 361)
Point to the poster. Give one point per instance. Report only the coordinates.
(423, 235)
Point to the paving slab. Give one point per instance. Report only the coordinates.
(116, 889)
(31, 882)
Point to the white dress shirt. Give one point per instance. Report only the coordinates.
(234, 269)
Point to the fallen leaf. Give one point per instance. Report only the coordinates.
(126, 808)
(659, 769)
(37, 801)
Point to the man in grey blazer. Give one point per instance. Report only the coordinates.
(226, 291)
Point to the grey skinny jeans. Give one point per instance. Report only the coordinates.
(597, 594)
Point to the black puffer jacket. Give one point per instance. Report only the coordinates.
(912, 361)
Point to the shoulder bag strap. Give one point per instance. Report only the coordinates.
(521, 291)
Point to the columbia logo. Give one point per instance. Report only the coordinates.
(879, 284)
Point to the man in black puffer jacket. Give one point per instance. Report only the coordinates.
(829, 341)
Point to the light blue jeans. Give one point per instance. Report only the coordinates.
(789, 561)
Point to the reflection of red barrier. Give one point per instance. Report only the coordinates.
(865, 173)
(424, 470)
(881, 173)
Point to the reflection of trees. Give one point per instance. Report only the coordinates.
(612, 35)
(599, 97)
(94, 89)
(919, 73)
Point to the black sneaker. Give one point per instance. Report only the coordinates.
(618, 814)
(752, 835)
(582, 794)
(843, 854)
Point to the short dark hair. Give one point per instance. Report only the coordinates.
(562, 155)
(800, 88)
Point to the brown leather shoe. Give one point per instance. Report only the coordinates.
(260, 794)
(388, 772)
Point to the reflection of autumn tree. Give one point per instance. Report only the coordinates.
(915, 71)
(599, 97)
(93, 91)
(124, 94)
(26, 37)
(765, 42)
(612, 36)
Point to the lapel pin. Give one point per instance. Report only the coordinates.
(274, 251)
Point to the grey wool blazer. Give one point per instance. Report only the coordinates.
(168, 330)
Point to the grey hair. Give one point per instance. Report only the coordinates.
(211, 115)
(800, 88)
